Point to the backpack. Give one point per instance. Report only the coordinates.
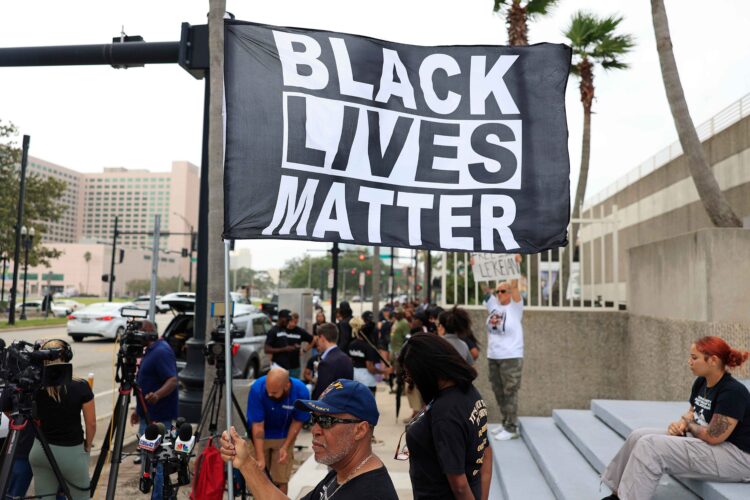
(209, 475)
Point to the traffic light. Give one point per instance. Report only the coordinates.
(184, 252)
(369, 272)
(354, 271)
(122, 256)
(362, 257)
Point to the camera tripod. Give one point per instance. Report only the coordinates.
(211, 409)
(125, 375)
(23, 415)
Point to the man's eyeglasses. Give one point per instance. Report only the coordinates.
(503, 291)
(327, 421)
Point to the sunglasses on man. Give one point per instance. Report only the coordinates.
(328, 421)
(503, 291)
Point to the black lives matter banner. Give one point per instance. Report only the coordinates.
(336, 137)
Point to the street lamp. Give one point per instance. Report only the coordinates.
(27, 235)
(190, 252)
(4, 258)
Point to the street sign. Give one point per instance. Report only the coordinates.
(330, 279)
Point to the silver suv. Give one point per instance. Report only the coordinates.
(248, 357)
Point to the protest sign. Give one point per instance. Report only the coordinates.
(495, 267)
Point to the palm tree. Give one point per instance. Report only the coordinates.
(87, 258)
(593, 41)
(716, 205)
(518, 15)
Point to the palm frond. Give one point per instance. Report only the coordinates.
(539, 7)
(594, 37)
(498, 5)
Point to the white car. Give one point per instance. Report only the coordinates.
(103, 319)
(63, 307)
(144, 301)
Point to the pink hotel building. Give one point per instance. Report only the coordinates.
(93, 200)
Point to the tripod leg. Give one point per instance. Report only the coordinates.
(9, 456)
(242, 415)
(207, 409)
(52, 461)
(105, 446)
(114, 463)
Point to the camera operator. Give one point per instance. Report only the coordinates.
(59, 411)
(157, 378)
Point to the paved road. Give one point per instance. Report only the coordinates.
(97, 356)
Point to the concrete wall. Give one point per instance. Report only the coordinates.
(570, 357)
(701, 276)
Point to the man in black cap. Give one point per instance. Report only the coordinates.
(278, 344)
(343, 422)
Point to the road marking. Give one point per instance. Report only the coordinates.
(104, 393)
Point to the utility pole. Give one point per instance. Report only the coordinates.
(391, 281)
(19, 221)
(334, 293)
(112, 264)
(154, 268)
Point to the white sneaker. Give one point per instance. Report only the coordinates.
(497, 430)
(505, 435)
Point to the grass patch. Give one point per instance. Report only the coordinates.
(93, 300)
(34, 322)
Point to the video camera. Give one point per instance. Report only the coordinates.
(215, 349)
(22, 365)
(138, 331)
(172, 449)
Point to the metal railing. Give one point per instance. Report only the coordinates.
(722, 120)
(594, 278)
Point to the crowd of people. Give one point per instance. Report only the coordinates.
(421, 350)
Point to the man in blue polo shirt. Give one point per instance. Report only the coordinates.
(275, 422)
(157, 378)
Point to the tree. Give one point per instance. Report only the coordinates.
(517, 16)
(593, 41)
(87, 258)
(714, 202)
(42, 201)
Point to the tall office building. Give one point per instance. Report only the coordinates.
(93, 200)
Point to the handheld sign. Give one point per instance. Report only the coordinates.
(488, 267)
(336, 137)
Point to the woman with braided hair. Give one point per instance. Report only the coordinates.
(711, 441)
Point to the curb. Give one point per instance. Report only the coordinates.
(37, 327)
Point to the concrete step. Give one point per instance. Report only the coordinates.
(599, 444)
(515, 474)
(625, 416)
(567, 472)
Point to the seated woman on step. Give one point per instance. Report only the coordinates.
(711, 441)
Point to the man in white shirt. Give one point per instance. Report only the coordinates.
(505, 353)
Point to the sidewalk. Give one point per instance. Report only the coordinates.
(388, 431)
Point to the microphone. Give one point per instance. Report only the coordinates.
(152, 437)
(183, 447)
(185, 441)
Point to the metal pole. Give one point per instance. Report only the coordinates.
(416, 272)
(190, 261)
(228, 360)
(154, 269)
(309, 272)
(112, 264)
(428, 277)
(19, 221)
(334, 291)
(444, 280)
(391, 278)
(2, 289)
(191, 377)
(26, 241)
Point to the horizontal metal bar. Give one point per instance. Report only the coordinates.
(113, 54)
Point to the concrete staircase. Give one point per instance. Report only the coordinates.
(562, 457)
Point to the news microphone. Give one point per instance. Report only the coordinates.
(151, 439)
(185, 441)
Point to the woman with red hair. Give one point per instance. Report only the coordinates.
(711, 441)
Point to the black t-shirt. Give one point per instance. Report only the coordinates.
(373, 485)
(361, 352)
(729, 398)
(448, 438)
(277, 337)
(385, 335)
(61, 422)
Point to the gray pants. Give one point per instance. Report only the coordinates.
(505, 377)
(648, 453)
